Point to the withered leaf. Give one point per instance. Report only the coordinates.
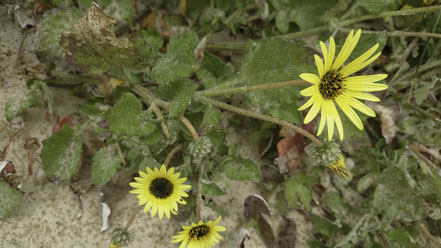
(254, 205)
(91, 45)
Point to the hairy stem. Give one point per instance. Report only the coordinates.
(244, 89)
(171, 154)
(120, 154)
(148, 96)
(263, 117)
(199, 191)
(162, 121)
(132, 217)
(190, 127)
(318, 30)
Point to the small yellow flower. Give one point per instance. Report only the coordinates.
(340, 168)
(160, 190)
(334, 84)
(201, 235)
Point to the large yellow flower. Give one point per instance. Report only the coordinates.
(160, 190)
(201, 235)
(334, 84)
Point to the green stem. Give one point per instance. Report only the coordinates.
(318, 30)
(398, 33)
(422, 57)
(199, 191)
(161, 120)
(171, 154)
(243, 89)
(423, 68)
(190, 127)
(263, 117)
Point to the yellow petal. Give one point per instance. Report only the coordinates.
(331, 54)
(358, 105)
(330, 121)
(309, 77)
(325, 55)
(322, 117)
(344, 52)
(365, 79)
(349, 112)
(309, 91)
(356, 68)
(319, 64)
(362, 96)
(349, 68)
(312, 112)
(367, 87)
(307, 104)
(337, 121)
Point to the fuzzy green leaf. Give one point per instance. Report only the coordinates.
(180, 61)
(49, 30)
(399, 238)
(276, 60)
(323, 226)
(127, 117)
(106, 163)
(396, 198)
(61, 154)
(211, 116)
(211, 189)
(179, 94)
(239, 168)
(298, 187)
(10, 199)
(16, 106)
(309, 13)
(379, 6)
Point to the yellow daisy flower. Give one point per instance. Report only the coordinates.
(201, 235)
(339, 167)
(334, 84)
(160, 190)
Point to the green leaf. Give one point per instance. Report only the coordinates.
(106, 163)
(216, 66)
(239, 168)
(180, 61)
(61, 154)
(379, 6)
(399, 238)
(211, 116)
(396, 198)
(127, 117)
(276, 60)
(148, 42)
(309, 13)
(17, 105)
(10, 199)
(298, 187)
(179, 94)
(323, 226)
(49, 30)
(282, 21)
(91, 45)
(211, 189)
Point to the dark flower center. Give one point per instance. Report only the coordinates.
(199, 232)
(331, 85)
(161, 188)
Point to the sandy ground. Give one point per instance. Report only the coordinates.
(52, 215)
